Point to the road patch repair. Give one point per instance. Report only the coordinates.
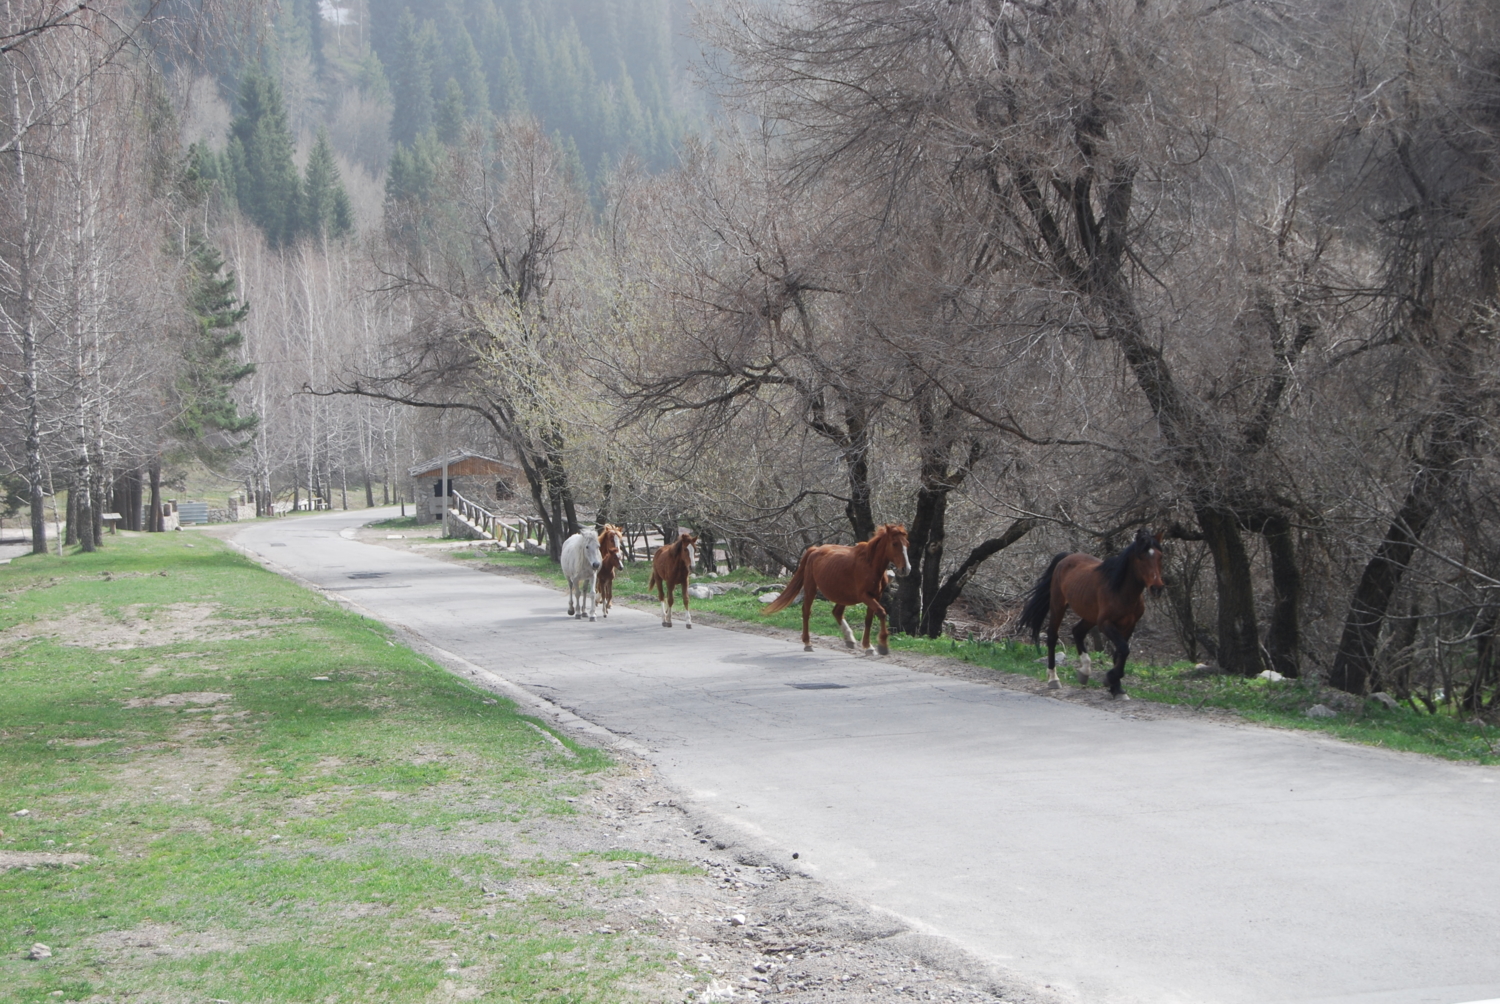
(238, 791)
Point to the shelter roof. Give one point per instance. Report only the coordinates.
(465, 463)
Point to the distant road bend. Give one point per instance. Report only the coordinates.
(1121, 860)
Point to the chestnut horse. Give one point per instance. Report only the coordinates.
(846, 575)
(610, 562)
(1104, 594)
(670, 567)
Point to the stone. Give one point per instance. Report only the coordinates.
(1386, 699)
(768, 597)
(700, 592)
(532, 547)
(738, 920)
(1320, 711)
(21, 812)
(39, 951)
(1269, 674)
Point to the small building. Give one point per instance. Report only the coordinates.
(482, 480)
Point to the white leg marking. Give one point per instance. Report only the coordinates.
(1085, 669)
(848, 632)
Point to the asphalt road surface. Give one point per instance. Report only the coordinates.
(1113, 858)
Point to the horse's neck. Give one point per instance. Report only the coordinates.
(875, 552)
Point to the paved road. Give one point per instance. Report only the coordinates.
(1121, 859)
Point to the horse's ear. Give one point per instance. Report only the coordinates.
(1160, 535)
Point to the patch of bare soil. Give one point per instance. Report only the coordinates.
(739, 925)
(181, 769)
(39, 859)
(148, 942)
(138, 626)
(178, 700)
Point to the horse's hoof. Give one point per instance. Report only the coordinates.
(666, 623)
(1053, 685)
(807, 648)
(591, 618)
(1121, 696)
(1083, 679)
(882, 650)
(690, 627)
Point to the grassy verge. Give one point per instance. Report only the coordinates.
(397, 523)
(218, 786)
(1282, 703)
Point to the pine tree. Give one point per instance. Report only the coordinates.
(411, 82)
(468, 71)
(310, 14)
(267, 188)
(412, 170)
(210, 370)
(322, 189)
(450, 113)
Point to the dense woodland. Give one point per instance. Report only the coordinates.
(1023, 276)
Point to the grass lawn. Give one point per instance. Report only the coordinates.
(1281, 703)
(215, 785)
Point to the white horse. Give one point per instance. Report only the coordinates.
(580, 561)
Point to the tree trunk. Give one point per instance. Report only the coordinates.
(155, 523)
(1354, 664)
(906, 611)
(1283, 639)
(369, 491)
(70, 517)
(1238, 641)
(937, 609)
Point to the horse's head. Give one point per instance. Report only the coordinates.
(591, 549)
(1145, 560)
(688, 540)
(894, 537)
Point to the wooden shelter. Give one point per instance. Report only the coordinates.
(482, 480)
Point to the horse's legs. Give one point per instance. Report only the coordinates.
(1058, 610)
(570, 597)
(587, 601)
(686, 612)
(838, 615)
(1080, 641)
(666, 605)
(1114, 677)
(809, 594)
(872, 605)
(864, 642)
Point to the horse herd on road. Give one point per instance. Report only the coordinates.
(1106, 594)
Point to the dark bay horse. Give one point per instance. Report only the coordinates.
(846, 575)
(1104, 594)
(611, 560)
(670, 567)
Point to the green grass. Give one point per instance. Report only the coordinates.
(1282, 703)
(303, 840)
(397, 523)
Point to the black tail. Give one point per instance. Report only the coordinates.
(1039, 603)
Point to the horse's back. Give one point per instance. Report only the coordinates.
(833, 571)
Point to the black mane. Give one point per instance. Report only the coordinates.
(1116, 569)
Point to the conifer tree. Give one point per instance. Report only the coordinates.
(468, 72)
(411, 81)
(210, 370)
(450, 113)
(322, 191)
(267, 188)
